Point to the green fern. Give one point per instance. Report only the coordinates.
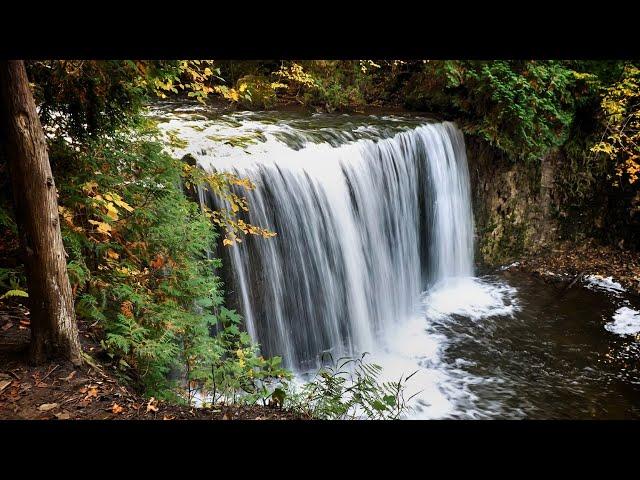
(14, 293)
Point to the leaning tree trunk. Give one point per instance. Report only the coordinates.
(53, 325)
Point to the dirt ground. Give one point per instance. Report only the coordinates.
(59, 391)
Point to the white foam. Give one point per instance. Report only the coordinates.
(511, 265)
(410, 348)
(596, 282)
(439, 389)
(470, 297)
(626, 321)
(442, 390)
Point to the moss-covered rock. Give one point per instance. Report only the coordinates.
(513, 204)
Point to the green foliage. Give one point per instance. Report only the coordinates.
(83, 98)
(138, 262)
(524, 108)
(238, 373)
(7, 222)
(11, 275)
(78, 98)
(12, 278)
(13, 293)
(139, 247)
(251, 92)
(348, 388)
(331, 85)
(257, 92)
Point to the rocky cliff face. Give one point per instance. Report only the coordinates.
(515, 204)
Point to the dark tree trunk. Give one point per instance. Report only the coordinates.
(53, 326)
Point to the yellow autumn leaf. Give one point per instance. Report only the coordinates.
(66, 214)
(123, 204)
(113, 255)
(234, 95)
(89, 187)
(101, 227)
(227, 242)
(112, 211)
(117, 199)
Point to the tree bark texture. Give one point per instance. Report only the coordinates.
(53, 325)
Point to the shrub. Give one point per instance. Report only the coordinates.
(139, 258)
(348, 388)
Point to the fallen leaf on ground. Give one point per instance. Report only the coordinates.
(117, 408)
(62, 416)
(150, 406)
(69, 377)
(168, 417)
(45, 407)
(4, 384)
(92, 392)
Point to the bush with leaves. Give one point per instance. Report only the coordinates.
(620, 140)
(138, 257)
(80, 99)
(524, 108)
(238, 373)
(346, 389)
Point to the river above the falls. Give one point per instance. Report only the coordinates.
(374, 253)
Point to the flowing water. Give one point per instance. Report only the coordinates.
(374, 253)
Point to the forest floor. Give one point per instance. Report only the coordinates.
(587, 258)
(58, 390)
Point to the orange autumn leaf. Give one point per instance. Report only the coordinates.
(158, 262)
(127, 309)
(113, 255)
(92, 392)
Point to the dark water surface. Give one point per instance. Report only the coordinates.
(553, 359)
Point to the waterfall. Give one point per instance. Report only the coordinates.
(363, 228)
(374, 253)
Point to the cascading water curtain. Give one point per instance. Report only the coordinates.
(363, 229)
